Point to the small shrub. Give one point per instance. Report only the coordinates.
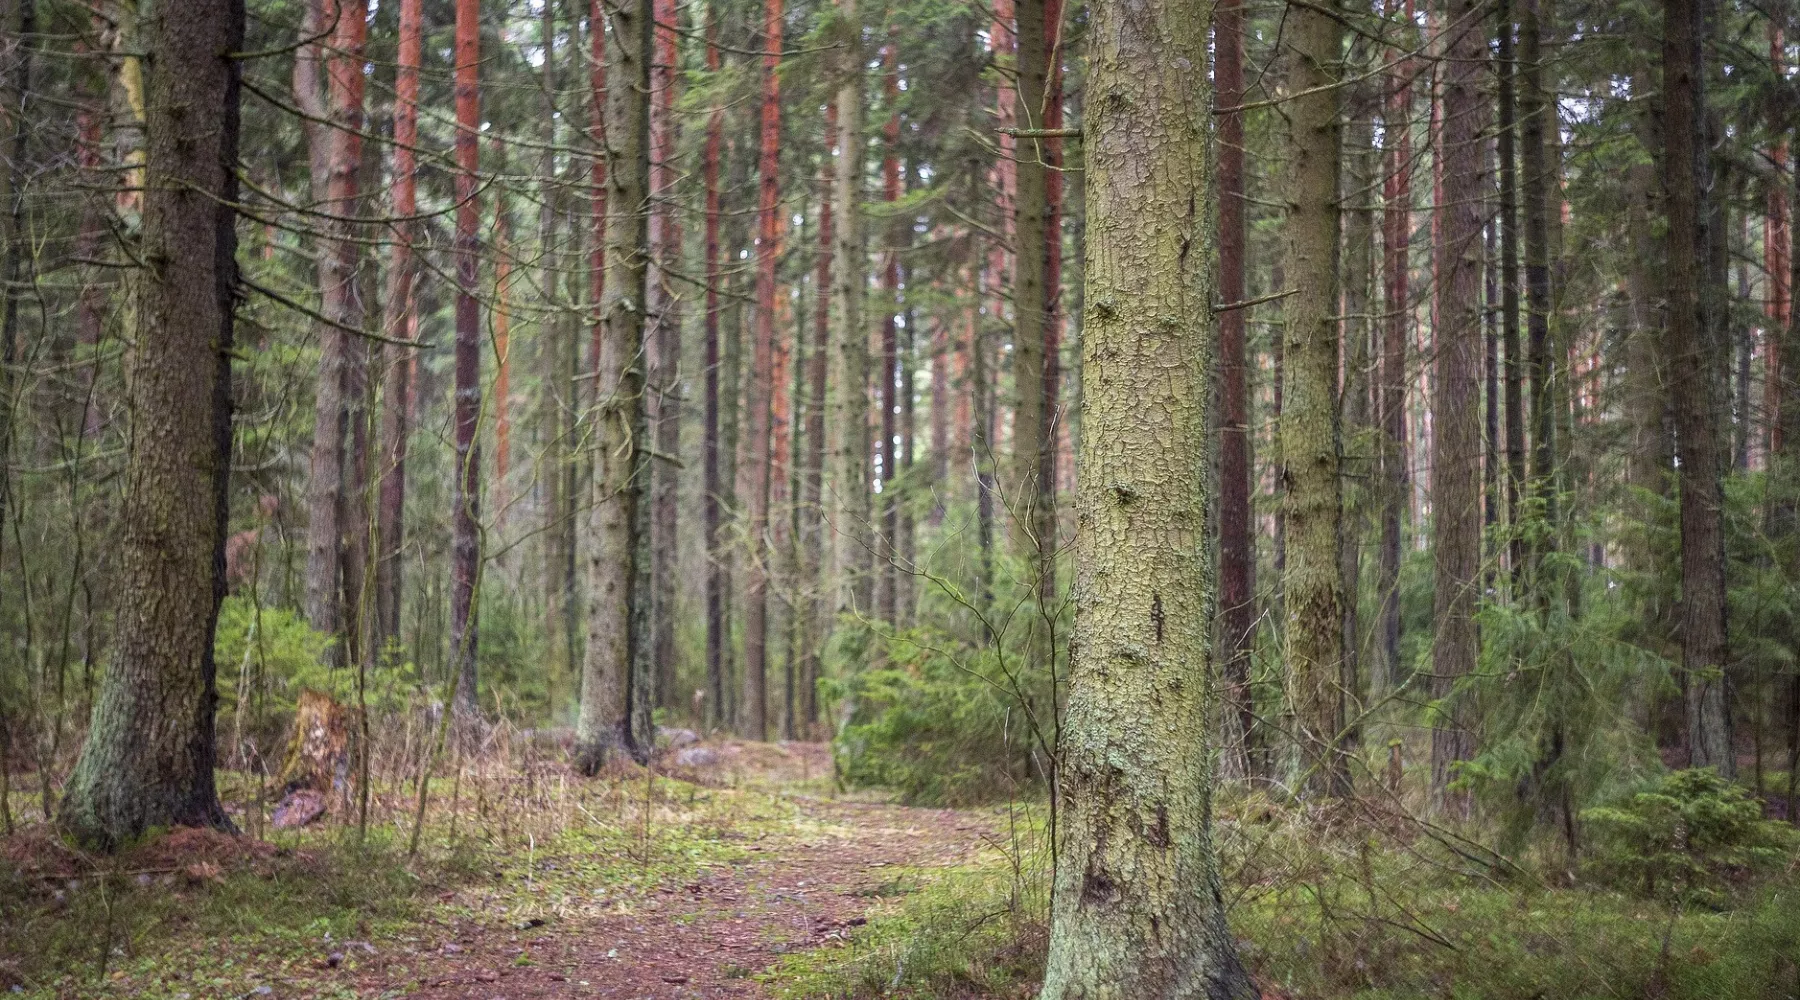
(1684, 837)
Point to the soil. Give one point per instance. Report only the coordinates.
(710, 937)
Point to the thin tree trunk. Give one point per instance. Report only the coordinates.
(390, 515)
(887, 574)
(851, 502)
(712, 501)
(754, 721)
(1136, 908)
(1536, 118)
(1359, 453)
(1456, 445)
(1507, 143)
(1396, 239)
(810, 513)
(1026, 492)
(1237, 549)
(1693, 375)
(664, 306)
(150, 753)
(465, 496)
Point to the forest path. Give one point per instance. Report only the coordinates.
(806, 885)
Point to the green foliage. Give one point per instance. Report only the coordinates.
(275, 649)
(1684, 836)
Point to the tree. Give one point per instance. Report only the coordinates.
(611, 717)
(1031, 498)
(712, 501)
(1136, 910)
(1396, 242)
(851, 505)
(1456, 443)
(664, 307)
(149, 757)
(1693, 355)
(465, 498)
(1311, 438)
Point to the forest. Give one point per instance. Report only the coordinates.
(1074, 499)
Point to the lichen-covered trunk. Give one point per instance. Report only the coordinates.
(850, 500)
(1456, 408)
(465, 493)
(753, 712)
(611, 683)
(1312, 496)
(1237, 550)
(1693, 381)
(148, 761)
(1136, 910)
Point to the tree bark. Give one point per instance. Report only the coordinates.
(1311, 436)
(149, 758)
(712, 501)
(465, 496)
(754, 722)
(1396, 240)
(664, 307)
(887, 580)
(850, 446)
(1027, 494)
(613, 707)
(1237, 550)
(1136, 909)
(1456, 444)
(1514, 380)
(1693, 352)
(810, 513)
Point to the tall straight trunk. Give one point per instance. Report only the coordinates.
(812, 473)
(149, 757)
(1136, 908)
(502, 334)
(1778, 249)
(20, 21)
(390, 516)
(665, 354)
(887, 581)
(1237, 548)
(983, 392)
(1693, 352)
(906, 528)
(941, 365)
(754, 721)
(1396, 241)
(613, 696)
(1311, 440)
(1053, 426)
(1646, 404)
(1514, 378)
(336, 150)
(1456, 435)
(712, 500)
(1027, 493)
(465, 494)
(851, 508)
(557, 360)
(1536, 119)
(1358, 331)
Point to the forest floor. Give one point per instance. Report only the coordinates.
(691, 882)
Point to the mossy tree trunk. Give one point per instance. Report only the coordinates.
(149, 757)
(1311, 444)
(1136, 909)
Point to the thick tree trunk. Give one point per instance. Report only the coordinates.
(390, 516)
(1237, 549)
(851, 507)
(1456, 444)
(664, 306)
(1693, 352)
(754, 722)
(614, 699)
(149, 757)
(1312, 494)
(1136, 908)
(465, 495)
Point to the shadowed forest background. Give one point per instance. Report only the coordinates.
(510, 492)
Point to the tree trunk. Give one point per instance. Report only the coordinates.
(887, 580)
(1237, 549)
(851, 502)
(1646, 405)
(390, 523)
(1514, 379)
(1456, 444)
(150, 752)
(1536, 117)
(812, 475)
(1312, 498)
(612, 691)
(1693, 352)
(465, 497)
(1359, 331)
(1778, 249)
(665, 356)
(1136, 909)
(1027, 493)
(712, 500)
(754, 722)
(1396, 240)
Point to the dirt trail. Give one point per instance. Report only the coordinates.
(794, 890)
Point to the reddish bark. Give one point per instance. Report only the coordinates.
(465, 494)
(1051, 430)
(762, 376)
(1237, 555)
